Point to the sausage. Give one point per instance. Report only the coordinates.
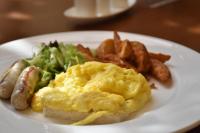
(7, 82)
(25, 87)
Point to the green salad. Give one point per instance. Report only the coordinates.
(53, 59)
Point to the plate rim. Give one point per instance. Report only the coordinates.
(103, 31)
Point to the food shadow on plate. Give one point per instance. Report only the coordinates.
(154, 83)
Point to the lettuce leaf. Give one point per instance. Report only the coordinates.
(53, 59)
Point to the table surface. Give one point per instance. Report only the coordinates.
(178, 21)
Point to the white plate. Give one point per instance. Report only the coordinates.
(172, 109)
(72, 13)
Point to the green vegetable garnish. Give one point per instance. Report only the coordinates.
(53, 59)
(71, 55)
(44, 80)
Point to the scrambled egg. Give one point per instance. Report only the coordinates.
(96, 88)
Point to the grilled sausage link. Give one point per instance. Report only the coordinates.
(9, 79)
(25, 87)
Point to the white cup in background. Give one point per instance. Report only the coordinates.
(119, 3)
(103, 7)
(85, 7)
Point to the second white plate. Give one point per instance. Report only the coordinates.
(74, 15)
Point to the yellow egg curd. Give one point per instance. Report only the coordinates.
(95, 88)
